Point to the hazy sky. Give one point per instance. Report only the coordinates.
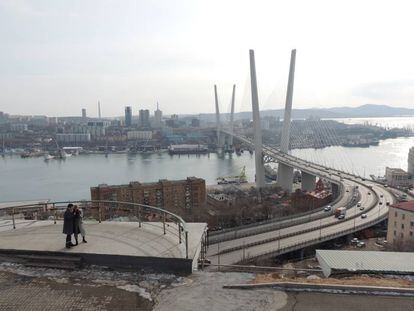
(58, 56)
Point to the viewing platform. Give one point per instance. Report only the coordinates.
(117, 244)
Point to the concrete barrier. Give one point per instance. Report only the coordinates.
(329, 288)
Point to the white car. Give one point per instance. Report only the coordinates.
(327, 208)
(361, 244)
(354, 241)
(364, 216)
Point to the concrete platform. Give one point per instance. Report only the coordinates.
(111, 243)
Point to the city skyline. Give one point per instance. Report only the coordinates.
(60, 57)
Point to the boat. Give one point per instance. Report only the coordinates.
(62, 154)
(240, 179)
(362, 142)
(187, 149)
(48, 157)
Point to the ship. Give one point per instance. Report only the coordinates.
(361, 143)
(187, 149)
(240, 179)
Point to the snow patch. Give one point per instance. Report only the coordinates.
(136, 289)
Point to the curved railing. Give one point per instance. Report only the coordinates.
(102, 210)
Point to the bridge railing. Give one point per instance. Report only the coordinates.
(296, 246)
(102, 210)
(273, 224)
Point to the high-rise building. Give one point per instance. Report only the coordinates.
(157, 117)
(99, 109)
(411, 161)
(144, 118)
(83, 113)
(128, 116)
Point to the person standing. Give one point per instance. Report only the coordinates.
(81, 227)
(68, 220)
(76, 223)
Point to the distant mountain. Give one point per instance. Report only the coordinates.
(373, 111)
(364, 111)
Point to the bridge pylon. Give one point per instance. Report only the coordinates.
(233, 98)
(220, 137)
(258, 148)
(285, 173)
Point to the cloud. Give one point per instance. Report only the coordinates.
(387, 91)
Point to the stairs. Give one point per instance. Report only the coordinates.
(45, 261)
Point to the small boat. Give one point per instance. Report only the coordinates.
(48, 157)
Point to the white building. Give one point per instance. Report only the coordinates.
(400, 231)
(73, 137)
(139, 135)
(397, 177)
(18, 127)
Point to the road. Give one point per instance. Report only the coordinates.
(255, 243)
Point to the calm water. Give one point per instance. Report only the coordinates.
(70, 179)
(25, 179)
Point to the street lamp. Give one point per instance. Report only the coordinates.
(355, 218)
(320, 228)
(278, 240)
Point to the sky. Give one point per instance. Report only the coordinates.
(57, 57)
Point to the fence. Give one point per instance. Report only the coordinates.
(101, 211)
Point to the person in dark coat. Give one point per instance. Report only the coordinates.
(68, 221)
(76, 222)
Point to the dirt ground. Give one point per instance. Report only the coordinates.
(386, 281)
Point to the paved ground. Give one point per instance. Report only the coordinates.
(97, 289)
(21, 293)
(109, 237)
(329, 302)
(203, 292)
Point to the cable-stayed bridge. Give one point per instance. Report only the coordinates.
(273, 238)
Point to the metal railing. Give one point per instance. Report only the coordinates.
(101, 210)
(287, 235)
(296, 246)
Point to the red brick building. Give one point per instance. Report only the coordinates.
(173, 195)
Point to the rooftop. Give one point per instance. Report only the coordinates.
(407, 206)
(396, 170)
(365, 261)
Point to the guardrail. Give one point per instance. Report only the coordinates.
(321, 239)
(102, 210)
(221, 236)
(279, 237)
(307, 164)
(281, 223)
(213, 234)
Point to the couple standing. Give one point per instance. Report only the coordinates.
(73, 224)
